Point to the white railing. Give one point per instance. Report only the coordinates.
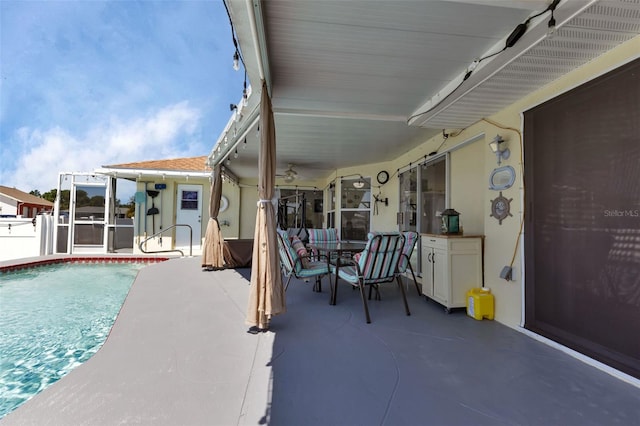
(142, 243)
(26, 237)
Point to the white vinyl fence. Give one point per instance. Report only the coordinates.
(26, 237)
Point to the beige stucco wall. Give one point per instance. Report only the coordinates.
(230, 218)
(472, 164)
(468, 185)
(167, 205)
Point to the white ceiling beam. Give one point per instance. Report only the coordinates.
(338, 114)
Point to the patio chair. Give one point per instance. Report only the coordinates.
(295, 261)
(377, 264)
(322, 235)
(410, 238)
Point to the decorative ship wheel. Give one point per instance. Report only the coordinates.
(501, 207)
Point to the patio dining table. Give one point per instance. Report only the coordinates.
(334, 251)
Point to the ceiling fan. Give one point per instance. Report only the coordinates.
(289, 175)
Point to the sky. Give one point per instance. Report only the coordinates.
(88, 83)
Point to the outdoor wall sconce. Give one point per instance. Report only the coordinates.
(378, 198)
(502, 152)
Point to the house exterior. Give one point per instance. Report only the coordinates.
(171, 194)
(25, 224)
(558, 215)
(14, 202)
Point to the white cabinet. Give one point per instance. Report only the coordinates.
(451, 266)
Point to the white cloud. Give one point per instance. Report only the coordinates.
(170, 132)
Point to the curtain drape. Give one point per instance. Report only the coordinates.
(266, 296)
(213, 249)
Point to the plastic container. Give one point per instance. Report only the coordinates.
(480, 303)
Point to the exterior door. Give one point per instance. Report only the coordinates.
(89, 203)
(189, 212)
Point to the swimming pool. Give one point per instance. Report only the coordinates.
(52, 319)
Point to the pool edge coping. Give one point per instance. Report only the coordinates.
(28, 263)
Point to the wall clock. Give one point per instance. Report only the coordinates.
(501, 207)
(383, 177)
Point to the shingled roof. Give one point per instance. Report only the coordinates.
(189, 164)
(24, 197)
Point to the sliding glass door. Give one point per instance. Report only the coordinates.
(423, 197)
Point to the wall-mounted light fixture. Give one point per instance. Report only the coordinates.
(551, 26)
(236, 61)
(502, 152)
(552, 20)
(245, 95)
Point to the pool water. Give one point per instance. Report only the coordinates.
(52, 319)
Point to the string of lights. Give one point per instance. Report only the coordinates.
(512, 39)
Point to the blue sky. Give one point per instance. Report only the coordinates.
(92, 83)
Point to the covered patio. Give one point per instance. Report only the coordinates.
(179, 354)
(396, 111)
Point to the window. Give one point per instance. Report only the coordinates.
(300, 208)
(189, 200)
(409, 200)
(433, 197)
(355, 209)
(331, 210)
(423, 196)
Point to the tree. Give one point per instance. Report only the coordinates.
(50, 195)
(131, 211)
(82, 198)
(35, 192)
(97, 201)
(65, 198)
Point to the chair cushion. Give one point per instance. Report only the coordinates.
(301, 251)
(348, 273)
(379, 268)
(314, 269)
(288, 256)
(322, 234)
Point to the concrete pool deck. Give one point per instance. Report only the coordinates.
(179, 354)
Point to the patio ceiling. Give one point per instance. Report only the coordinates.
(363, 81)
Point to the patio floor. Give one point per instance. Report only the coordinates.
(179, 354)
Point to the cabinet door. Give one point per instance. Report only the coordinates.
(441, 284)
(427, 271)
(465, 274)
